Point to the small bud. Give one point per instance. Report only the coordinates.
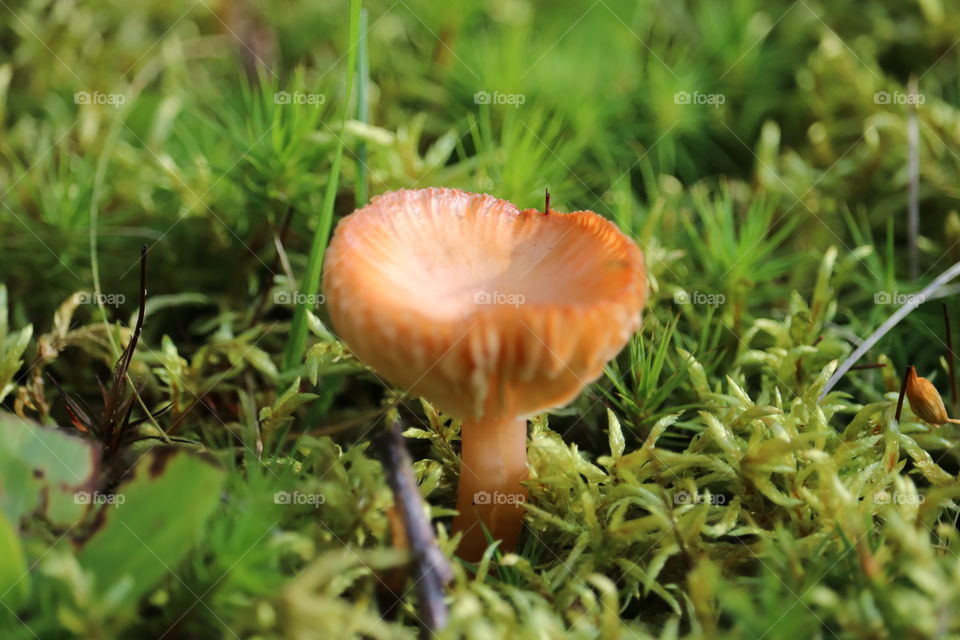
(925, 399)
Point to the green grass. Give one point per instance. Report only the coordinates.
(698, 489)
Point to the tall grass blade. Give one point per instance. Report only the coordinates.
(296, 342)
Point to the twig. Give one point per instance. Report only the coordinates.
(872, 365)
(431, 569)
(903, 390)
(890, 323)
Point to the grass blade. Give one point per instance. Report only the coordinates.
(296, 342)
(890, 323)
(363, 110)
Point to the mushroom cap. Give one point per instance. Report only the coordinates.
(481, 308)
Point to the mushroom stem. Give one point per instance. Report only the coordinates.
(493, 462)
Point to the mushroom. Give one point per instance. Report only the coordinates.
(492, 314)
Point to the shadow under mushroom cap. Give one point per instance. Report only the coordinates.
(477, 306)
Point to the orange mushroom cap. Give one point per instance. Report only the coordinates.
(479, 307)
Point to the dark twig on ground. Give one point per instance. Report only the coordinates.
(431, 570)
(872, 365)
(903, 390)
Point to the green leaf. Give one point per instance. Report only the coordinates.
(617, 442)
(42, 468)
(281, 413)
(156, 519)
(14, 583)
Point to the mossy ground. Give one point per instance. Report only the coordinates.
(757, 152)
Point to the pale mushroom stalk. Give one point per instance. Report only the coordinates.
(491, 313)
(493, 464)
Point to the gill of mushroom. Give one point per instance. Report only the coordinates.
(491, 313)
